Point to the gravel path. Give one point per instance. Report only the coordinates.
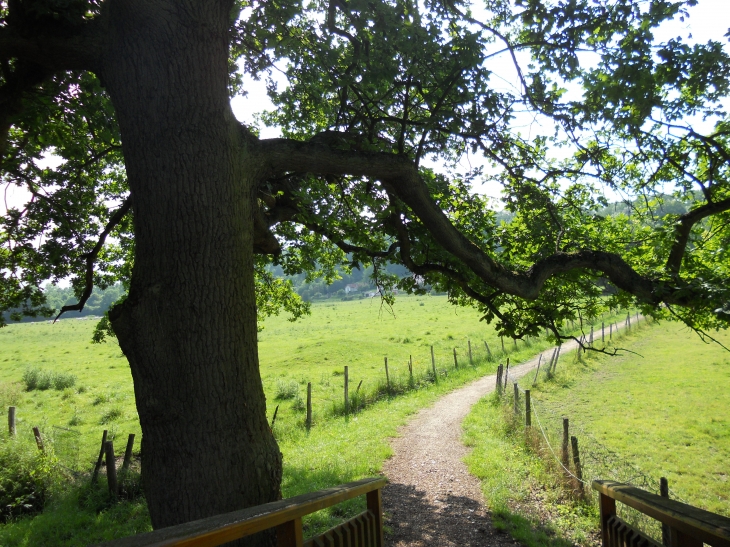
(431, 498)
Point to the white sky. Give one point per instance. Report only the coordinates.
(710, 19)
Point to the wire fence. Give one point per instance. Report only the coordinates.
(595, 459)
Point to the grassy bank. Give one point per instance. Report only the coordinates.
(660, 411)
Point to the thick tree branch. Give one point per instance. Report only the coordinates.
(683, 228)
(404, 243)
(348, 247)
(90, 257)
(400, 177)
(55, 51)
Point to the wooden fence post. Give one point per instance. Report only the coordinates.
(506, 374)
(433, 365)
(591, 342)
(517, 398)
(557, 356)
(500, 368)
(539, 361)
(566, 438)
(95, 474)
(628, 321)
(550, 363)
(471, 362)
(410, 367)
(374, 503)
(610, 331)
(456, 363)
(664, 492)
(489, 352)
(290, 533)
(309, 406)
(11, 421)
(603, 336)
(528, 409)
(273, 418)
(111, 469)
(128, 452)
(387, 375)
(576, 463)
(347, 395)
(38, 438)
(607, 506)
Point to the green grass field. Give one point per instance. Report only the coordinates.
(661, 411)
(315, 349)
(337, 449)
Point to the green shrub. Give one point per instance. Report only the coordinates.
(111, 414)
(9, 394)
(286, 390)
(62, 380)
(298, 403)
(102, 398)
(26, 478)
(36, 378)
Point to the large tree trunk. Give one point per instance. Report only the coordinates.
(188, 327)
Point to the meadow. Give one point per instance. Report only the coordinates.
(659, 409)
(358, 333)
(338, 448)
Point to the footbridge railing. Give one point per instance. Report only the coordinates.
(684, 525)
(364, 530)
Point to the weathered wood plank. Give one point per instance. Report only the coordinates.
(691, 521)
(375, 506)
(622, 534)
(220, 529)
(290, 534)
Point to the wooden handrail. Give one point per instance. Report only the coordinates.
(688, 525)
(285, 514)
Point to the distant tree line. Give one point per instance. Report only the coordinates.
(57, 297)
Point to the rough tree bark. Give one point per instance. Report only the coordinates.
(188, 327)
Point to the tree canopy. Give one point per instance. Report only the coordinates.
(159, 188)
(388, 90)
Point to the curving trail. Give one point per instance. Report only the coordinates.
(431, 498)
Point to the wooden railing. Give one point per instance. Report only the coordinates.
(687, 526)
(364, 530)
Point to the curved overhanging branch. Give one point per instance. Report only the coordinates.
(400, 177)
(90, 257)
(79, 49)
(404, 243)
(683, 229)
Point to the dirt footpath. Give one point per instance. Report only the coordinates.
(431, 498)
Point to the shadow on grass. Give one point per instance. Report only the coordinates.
(528, 531)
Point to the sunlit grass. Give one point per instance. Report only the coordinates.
(661, 410)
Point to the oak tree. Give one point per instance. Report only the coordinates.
(157, 185)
